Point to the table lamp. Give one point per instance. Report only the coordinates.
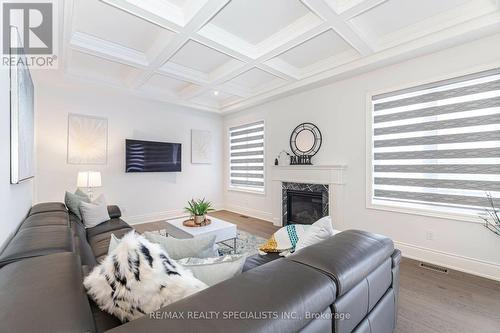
(89, 180)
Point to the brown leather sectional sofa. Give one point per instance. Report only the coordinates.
(348, 283)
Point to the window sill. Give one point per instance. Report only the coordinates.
(241, 190)
(436, 213)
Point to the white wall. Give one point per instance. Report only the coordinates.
(141, 196)
(339, 110)
(15, 200)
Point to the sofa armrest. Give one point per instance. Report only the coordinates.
(396, 260)
(114, 212)
(348, 257)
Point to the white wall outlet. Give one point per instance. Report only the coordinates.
(429, 235)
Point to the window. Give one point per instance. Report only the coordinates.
(247, 157)
(437, 146)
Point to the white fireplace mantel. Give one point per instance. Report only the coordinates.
(332, 175)
(311, 174)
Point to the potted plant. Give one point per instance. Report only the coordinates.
(199, 209)
(491, 217)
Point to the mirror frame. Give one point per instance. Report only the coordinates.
(317, 139)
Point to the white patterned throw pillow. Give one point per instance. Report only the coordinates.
(138, 277)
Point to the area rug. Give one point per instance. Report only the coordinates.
(245, 244)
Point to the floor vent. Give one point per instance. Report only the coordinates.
(244, 216)
(434, 268)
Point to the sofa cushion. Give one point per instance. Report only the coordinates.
(103, 321)
(113, 224)
(357, 254)
(81, 243)
(44, 294)
(37, 241)
(100, 242)
(258, 260)
(45, 219)
(48, 207)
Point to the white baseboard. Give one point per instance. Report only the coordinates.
(464, 264)
(266, 216)
(154, 217)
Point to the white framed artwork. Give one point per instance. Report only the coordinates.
(22, 113)
(87, 139)
(201, 147)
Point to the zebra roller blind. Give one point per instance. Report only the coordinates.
(438, 144)
(247, 157)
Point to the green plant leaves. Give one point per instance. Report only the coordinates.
(199, 207)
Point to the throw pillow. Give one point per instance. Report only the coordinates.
(73, 201)
(80, 193)
(138, 277)
(284, 240)
(214, 270)
(113, 243)
(94, 213)
(199, 247)
(319, 231)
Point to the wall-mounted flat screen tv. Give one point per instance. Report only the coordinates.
(149, 156)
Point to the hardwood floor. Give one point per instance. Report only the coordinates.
(429, 302)
(252, 225)
(432, 302)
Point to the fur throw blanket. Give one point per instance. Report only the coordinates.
(137, 278)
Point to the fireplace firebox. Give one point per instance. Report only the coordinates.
(304, 203)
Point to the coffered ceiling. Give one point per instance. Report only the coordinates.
(223, 56)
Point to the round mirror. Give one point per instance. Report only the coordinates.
(305, 140)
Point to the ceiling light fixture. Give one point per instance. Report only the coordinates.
(216, 93)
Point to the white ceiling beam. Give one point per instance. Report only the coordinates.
(322, 9)
(210, 9)
(171, 17)
(357, 9)
(105, 49)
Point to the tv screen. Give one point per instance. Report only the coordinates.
(148, 156)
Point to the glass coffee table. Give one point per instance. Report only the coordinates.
(224, 231)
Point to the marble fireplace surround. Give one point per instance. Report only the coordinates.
(333, 176)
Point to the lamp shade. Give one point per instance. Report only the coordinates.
(89, 179)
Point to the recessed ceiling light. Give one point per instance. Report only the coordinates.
(216, 92)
